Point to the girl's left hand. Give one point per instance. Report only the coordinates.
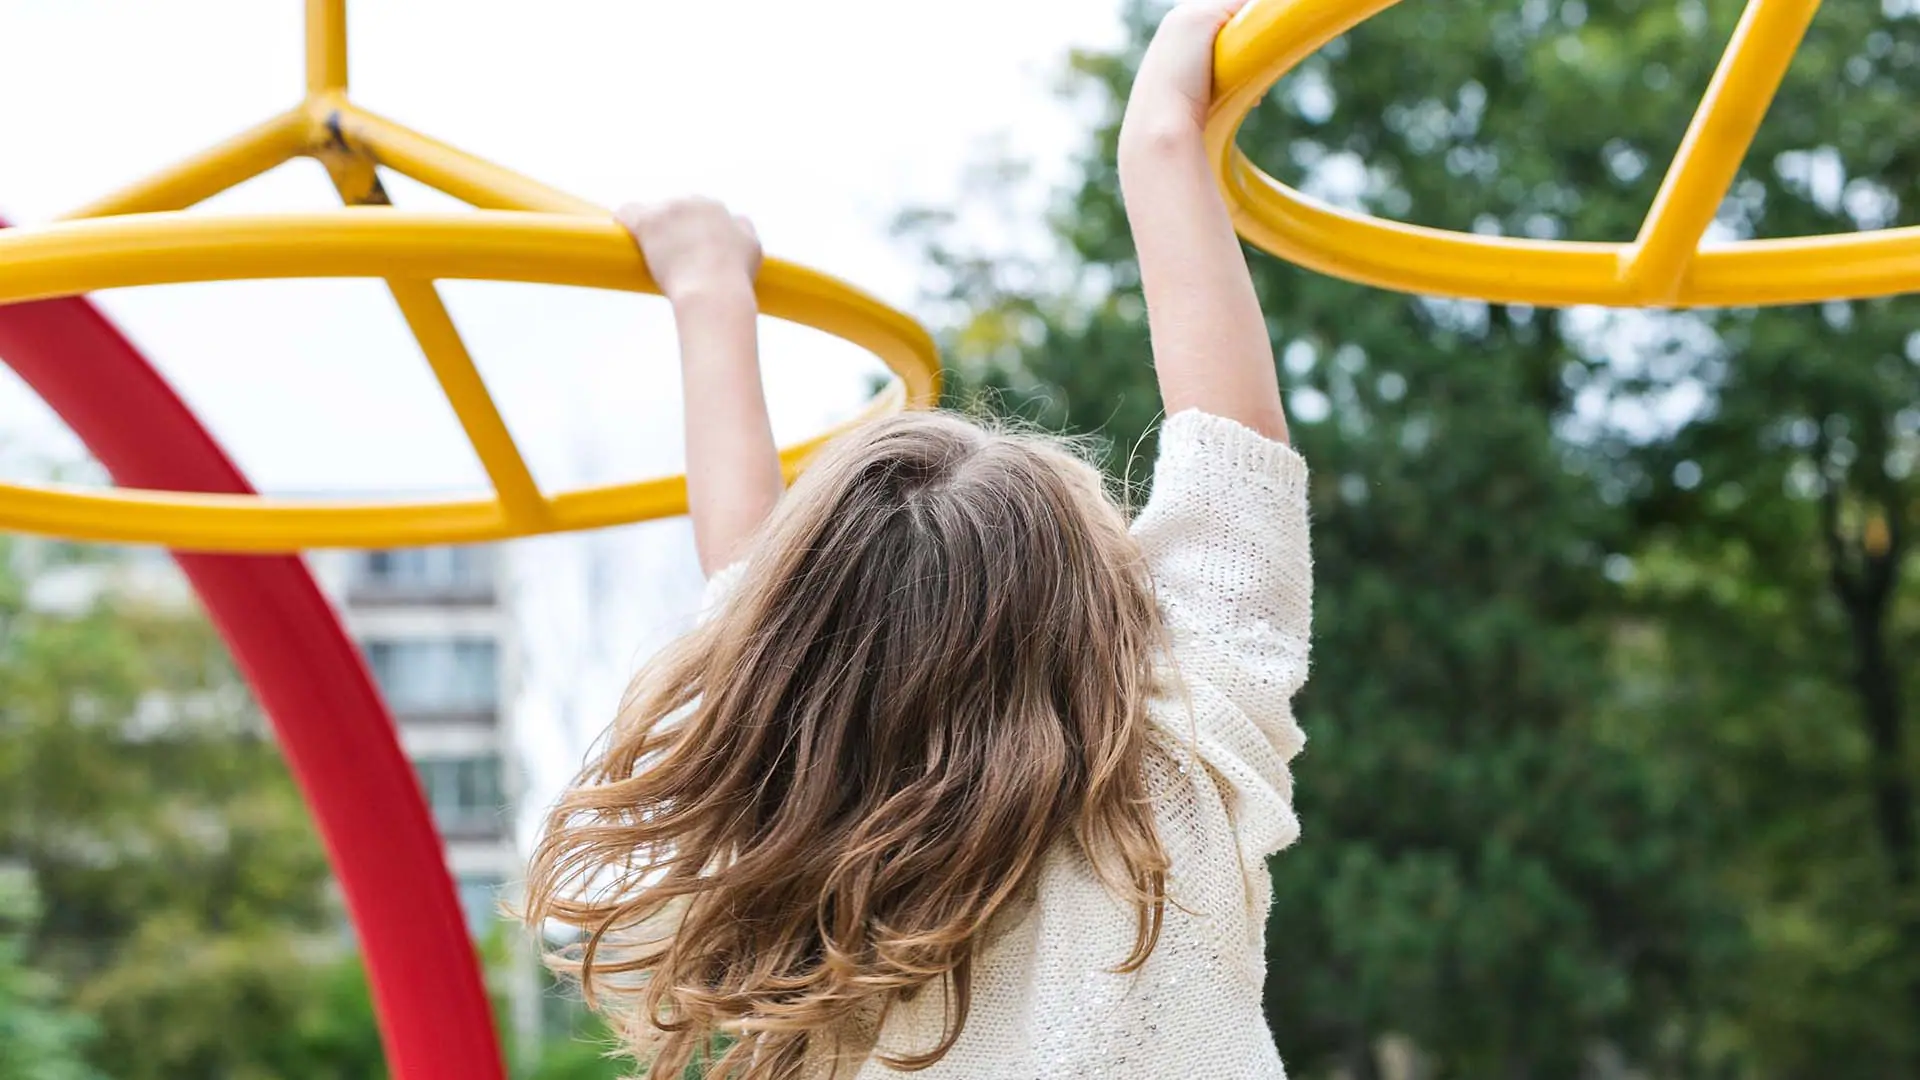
(693, 245)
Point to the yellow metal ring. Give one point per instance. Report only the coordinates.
(1269, 38)
(69, 258)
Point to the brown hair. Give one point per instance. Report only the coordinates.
(933, 671)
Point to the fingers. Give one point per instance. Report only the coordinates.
(634, 216)
(690, 240)
(1202, 16)
(752, 237)
(643, 216)
(1189, 29)
(1221, 9)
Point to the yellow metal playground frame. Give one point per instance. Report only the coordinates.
(521, 231)
(1665, 266)
(525, 231)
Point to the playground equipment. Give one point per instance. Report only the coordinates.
(524, 232)
(179, 488)
(1665, 266)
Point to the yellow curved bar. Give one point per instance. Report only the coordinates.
(1730, 112)
(67, 258)
(426, 315)
(210, 172)
(1269, 38)
(246, 523)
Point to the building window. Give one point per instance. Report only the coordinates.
(480, 900)
(425, 572)
(465, 793)
(456, 675)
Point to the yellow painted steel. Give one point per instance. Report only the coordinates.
(1666, 266)
(326, 47)
(457, 173)
(524, 231)
(1723, 127)
(233, 162)
(67, 258)
(486, 429)
(244, 523)
(358, 181)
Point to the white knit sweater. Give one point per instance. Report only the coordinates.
(1225, 534)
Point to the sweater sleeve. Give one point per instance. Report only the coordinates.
(1226, 539)
(719, 588)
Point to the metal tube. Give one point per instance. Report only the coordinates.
(466, 391)
(450, 170)
(240, 523)
(1757, 57)
(326, 47)
(63, 259)
(210, 172)
(358, 182)
(1269, 38)
(409, 250)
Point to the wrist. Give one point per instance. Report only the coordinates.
(1153, 139)
(717, 292)
(1163, 168)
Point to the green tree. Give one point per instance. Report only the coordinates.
(38, 1040)
(1775, 526)
(1611, 724)
(185, 900)
(1546, 812)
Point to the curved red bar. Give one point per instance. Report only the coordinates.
(309, 678)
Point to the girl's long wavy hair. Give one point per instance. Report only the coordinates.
(931, 675)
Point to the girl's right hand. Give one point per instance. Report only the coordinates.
(693, 246)
(1174, 86)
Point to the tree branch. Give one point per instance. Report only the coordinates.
(1844, 582)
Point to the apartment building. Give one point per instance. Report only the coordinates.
(440, 637)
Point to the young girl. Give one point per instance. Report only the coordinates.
(959, 773)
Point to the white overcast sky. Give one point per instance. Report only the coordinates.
(819, 119)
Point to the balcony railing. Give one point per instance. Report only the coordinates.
(377, 592)
(451, 577)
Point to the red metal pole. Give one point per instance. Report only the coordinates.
(310, 679)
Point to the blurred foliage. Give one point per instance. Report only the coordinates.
(38, 1039)
(1612, 768)
(1611, 763)
(165, 912)
(183, 893)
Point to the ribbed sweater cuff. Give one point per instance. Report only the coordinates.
(1192, 438)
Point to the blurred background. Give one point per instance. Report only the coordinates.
(1612, 771)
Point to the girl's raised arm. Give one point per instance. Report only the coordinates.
(705, 261)
(1210, 344)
